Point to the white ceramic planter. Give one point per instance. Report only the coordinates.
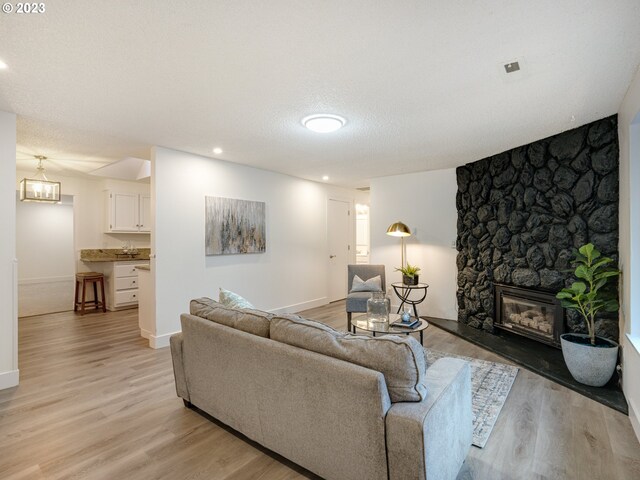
(590, 365)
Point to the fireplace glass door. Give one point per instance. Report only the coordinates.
(530, 314)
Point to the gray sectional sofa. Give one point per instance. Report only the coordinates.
(343, 406)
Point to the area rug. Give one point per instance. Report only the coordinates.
(490, 385)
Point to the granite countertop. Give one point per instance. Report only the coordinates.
(146, 268)
(112, 255)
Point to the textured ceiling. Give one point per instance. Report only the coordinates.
(421, 83)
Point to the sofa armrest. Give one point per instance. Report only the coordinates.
(429, 440)
(178, 366)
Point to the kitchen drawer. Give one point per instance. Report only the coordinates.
(125, 271)
(124, 283)
(126, 296)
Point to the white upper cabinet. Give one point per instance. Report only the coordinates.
(128, 212)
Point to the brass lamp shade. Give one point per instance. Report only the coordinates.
(398, 229)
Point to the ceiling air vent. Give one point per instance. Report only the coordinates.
(512, 67)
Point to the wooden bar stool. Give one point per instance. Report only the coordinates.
(82, 280)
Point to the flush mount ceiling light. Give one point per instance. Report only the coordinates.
(325, 177)
(324, 122)
(217, 151)
(3, 65)
(39, 189)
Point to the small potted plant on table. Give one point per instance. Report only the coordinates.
(409, 274)
(590, 359)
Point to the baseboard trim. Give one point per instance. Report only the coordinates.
(633, 417)
(160, 341)
(9, 379)
(298, 307)
(145, 334)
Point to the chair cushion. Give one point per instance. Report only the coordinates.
(357, 301)
(231, 299)
(400, 359)
(374, 284)
(245, 319)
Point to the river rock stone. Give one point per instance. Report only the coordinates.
(535, 258)
(502, 237)
(601, 133)
(582, 163)
(543, 179)
(562, 205)
(499, 164)
(551, 279)
(565, 178)
(607, 243)
(605, 160)
(559, 236)
(608, 188)
(526, 175)
(525, 277)
(604, 219)
(537, 154)
(517, 221)
(566, 146)
(584, 188)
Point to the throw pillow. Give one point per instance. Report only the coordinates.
(374, 284)
(401, 359)
(233, 300)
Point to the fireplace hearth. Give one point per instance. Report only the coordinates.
(534, 314)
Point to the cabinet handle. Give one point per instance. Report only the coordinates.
(134, 296)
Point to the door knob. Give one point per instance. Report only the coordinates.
(332, 256)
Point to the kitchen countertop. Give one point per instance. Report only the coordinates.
(146, 268)
(112, 255)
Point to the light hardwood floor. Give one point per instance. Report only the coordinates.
(95, 403)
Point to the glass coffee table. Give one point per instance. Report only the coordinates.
(363, 323)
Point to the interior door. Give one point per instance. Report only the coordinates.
(339, 233)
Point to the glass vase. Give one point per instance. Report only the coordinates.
(378, 307)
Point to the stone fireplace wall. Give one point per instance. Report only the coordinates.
(522, 212)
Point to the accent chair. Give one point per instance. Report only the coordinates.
(357, 301)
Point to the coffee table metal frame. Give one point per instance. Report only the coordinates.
(403, 291)
(362, 322)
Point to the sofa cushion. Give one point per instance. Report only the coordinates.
(245, 319)
(399, 358)
(374, 284)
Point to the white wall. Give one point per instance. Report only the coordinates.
(629, 134)
(426, 203)
(9, 374)
(293, 273)
(46, 259)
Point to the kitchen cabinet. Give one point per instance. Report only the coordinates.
(122, 283)
(128, 212)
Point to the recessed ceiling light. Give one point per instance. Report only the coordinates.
(325, 177)
(3, 65)
(324, 122)
(217, 151)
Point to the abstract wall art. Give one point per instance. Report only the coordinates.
(234, 226)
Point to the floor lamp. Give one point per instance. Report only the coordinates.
(399, 229)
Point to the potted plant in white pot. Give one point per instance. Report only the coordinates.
(590, 359)
(409, 274)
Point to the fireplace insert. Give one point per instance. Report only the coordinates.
(534, 314)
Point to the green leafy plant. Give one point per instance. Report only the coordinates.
(589, 294)
(409, 270)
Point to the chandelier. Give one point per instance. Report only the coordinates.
(39, 189)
